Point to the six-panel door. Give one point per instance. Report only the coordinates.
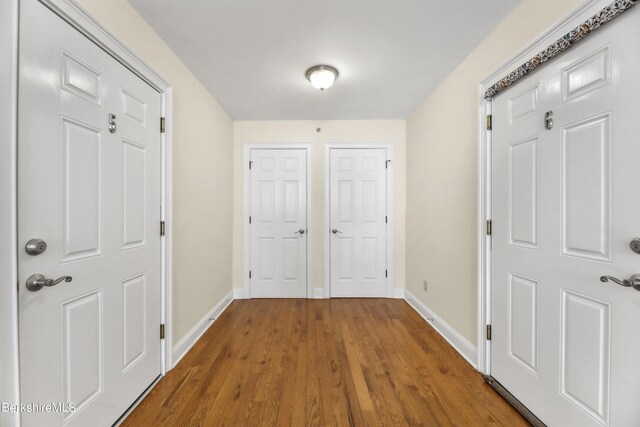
(94, 196)
(278, 226)
(358, 235)
(566, 204)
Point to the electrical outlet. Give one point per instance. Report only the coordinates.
(426, 284)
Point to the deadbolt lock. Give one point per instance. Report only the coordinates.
(635, 245)
(35, 247)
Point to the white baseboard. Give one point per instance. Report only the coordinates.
(239, 294)
(185, 344)
(398, 293)
(318, 293)
(467, 350)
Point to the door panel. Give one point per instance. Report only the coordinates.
(94, 197)
(278, 260)
(358, 216)
(565, 207)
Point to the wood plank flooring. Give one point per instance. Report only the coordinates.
(339, 362)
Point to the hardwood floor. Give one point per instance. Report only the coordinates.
(340, 362)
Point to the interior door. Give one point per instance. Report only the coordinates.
(89, 187)
(566, 205)
(358, 183)
(278, 224)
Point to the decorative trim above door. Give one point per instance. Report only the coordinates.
(605, 15)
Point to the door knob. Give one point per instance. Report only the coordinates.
(336, 231)
(301, 231)
(38, 281)
(632, 282)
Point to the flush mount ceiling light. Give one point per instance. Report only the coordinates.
(322, 76)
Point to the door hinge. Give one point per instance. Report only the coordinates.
(386, 219)
(386, 164)
(163, 122)
(489, 227)
(249, 274)
(250, 164)
(162, 331)
(162, 228)
(249, 219)
(488, 332)
(489, 121)
(386, 273)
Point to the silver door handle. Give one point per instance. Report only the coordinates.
(336, 231)
(38, 281)
(301, 231)
(631, 282)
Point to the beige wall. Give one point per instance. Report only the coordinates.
(442, 170)
(392, 131)
(202, 170)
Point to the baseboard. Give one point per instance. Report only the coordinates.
(318, 293)
(398, 293)
(467, 350)
(192, 337)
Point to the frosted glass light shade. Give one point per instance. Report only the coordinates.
(322, 76)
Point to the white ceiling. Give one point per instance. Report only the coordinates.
(391, 54)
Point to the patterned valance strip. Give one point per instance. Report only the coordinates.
(581, 31)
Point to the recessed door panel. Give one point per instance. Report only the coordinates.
(267, 255)
(587, 187)
(267, 195)
(585, 367)
(587, 74)
(524, 193)
(83, 352)
(524, 105)
(80, 79)
(345, 201)
(134, 321)
(523, 321)
(291, 258)
(134, 109)
(345, 260)
(369, 200)
(133, 194)
(369, 257)
(81, 190)
(291, 201)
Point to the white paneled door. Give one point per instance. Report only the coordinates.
(278, 223)
(566, 206)
(89, 186)
(358, 235)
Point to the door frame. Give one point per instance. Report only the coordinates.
(9, 381)
(82, 21)
(484, 285)
(246, 208)
(390, 202)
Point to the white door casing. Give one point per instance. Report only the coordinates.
(565, 207)
(94, 197)
(358, 222)
(278, 223)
